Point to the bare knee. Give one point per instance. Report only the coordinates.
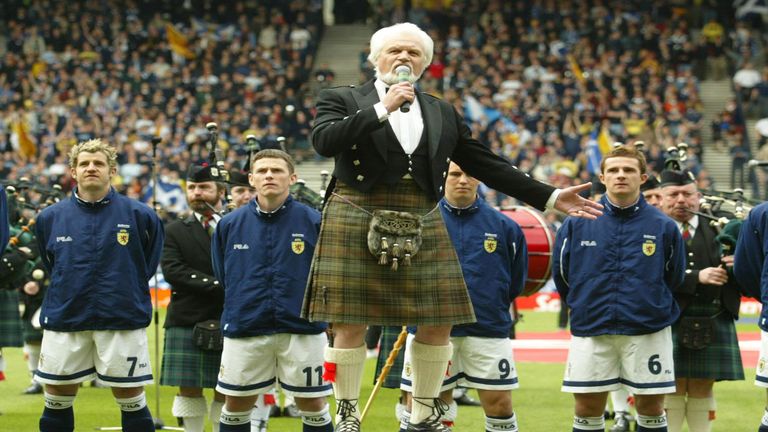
(240, 403)
(191, 392)
(311, 404)
(590, 404)
(348, 335)
(126, 392)
(433, 335)
(649, 405)
(62, 390)
(496, 403)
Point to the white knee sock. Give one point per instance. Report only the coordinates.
(192, 410)
(620, 400)
(33, 356)
(496, 424)
(429, 363)
(215, 414)
(652, 422)
(349, 364)
(588, 423)
(700, 413)
(675, 407)
(235, 418)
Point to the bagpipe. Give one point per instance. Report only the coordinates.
(299, 190)
(21, 258)
(725, 210)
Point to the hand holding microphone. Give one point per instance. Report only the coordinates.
(403, 74)
(402, 90)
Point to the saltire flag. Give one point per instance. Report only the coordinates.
(170, 196)
(178, 42)
(594, 156)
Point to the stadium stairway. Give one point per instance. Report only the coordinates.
(340, 50)
(714, 96)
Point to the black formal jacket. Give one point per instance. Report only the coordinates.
(196, 295)
(348, 129)
(704, 252)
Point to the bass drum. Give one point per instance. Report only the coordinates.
(540, 240)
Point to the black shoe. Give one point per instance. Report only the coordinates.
(432, 423)
(622, 422)
(291, 411)
(428, 426)
(34, 388)
(466, 400)
(345, 409)
(274, 411)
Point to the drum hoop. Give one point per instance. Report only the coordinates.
(550, 243)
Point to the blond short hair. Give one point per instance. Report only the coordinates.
(93, 146)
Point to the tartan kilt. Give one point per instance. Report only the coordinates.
(721, 360)
(388, 337)
(31, 334)
(347, 285)
(186, 365)
(10, 319)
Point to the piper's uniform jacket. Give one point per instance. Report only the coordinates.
(196, 293)
(617, 273)
(494, 259)
(750, 266)
(704, 252)
(100, 257)
(348, 129)
(263, 259)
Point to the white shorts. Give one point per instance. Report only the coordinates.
(643, 364)
(480, 363)
(252, 365)
(761, 379)
(120, 358)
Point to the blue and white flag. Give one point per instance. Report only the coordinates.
(170, 196)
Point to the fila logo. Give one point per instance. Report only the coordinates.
(240, 246)
(60, 239)
(588, 243)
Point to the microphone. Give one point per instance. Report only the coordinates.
(754, 163)
(403, 75)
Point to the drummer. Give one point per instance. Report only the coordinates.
(494, 259)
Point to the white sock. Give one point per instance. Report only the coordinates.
(700, 414)
(405, 419)
(58, 402)
(675, 408)
(132, 404)
(449, 418)
(235, 418)
(214, 414)
(496, 424)
(33, 356)
(620, 400)
(192, 410)
(429, 363)
(349, 363)
(317, 419)
(589, 423)
(764, 420)
(652, 422)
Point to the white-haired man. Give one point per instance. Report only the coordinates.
(392, 146)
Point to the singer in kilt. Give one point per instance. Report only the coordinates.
(392, 146)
